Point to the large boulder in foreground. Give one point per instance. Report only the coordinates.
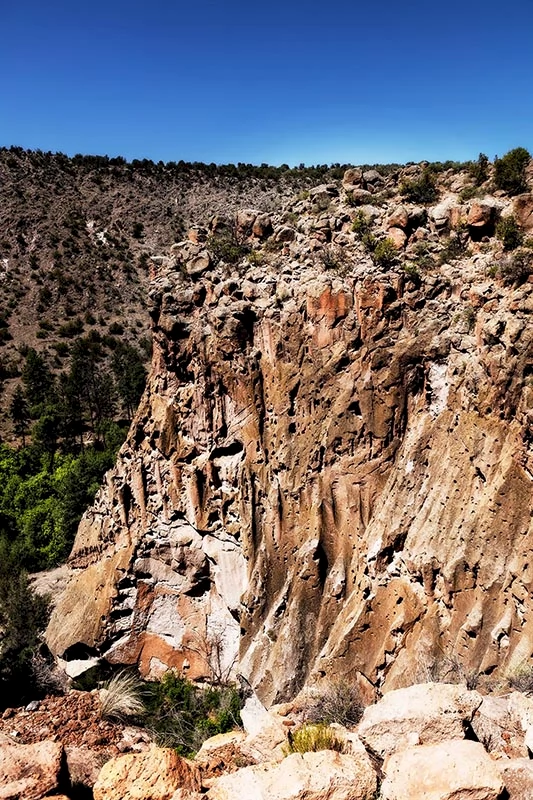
(29, 771)
(422, 714)
(156, 774)
(455, 770)
(314, 776)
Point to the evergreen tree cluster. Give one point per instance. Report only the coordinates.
(69, 434)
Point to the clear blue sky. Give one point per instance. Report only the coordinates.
(276, 81)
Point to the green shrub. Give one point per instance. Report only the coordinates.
(522, 679)
(183, 715)
(422, 190)
(510, 171)
(362, 224)
(509, 233)
(23, 615)
(516, 269)
(385, 253)
(453, 249)
(312, 738)
(226, 247)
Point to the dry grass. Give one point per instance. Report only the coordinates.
(311, 738)
(121, 697)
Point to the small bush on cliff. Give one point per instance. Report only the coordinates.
(227, 248)
(339, 701)
(385, 253)
(510, 171)
(312, 738)
(522, 679)
(182, 715)
(509, 233)
(422, 190)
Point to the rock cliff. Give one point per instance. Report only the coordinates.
(331, 469)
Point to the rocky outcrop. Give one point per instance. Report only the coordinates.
(30, 771)
(420, 714)
(316, 776)
(456, 770)
(330, 471)
(158, 774)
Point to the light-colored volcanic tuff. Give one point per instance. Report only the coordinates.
(331, 468)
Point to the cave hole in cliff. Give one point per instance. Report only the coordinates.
(322, 563)
(355, 408)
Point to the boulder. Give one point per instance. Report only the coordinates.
(361, 196)
(480, 215)
(450, 770)
(440, 214)
(154, 775)
(523, 211)
(373, 176)
(325, 775)
(244, 221)
(351, 178)
(262, 226)
(517, 775)
(265, 732)
(420, 714)
(285, 234)
(29, 771)
(398, 236)
(398, 218)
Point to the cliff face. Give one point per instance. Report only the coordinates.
(330, 472)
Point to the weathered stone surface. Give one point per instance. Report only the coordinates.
(153, 775)
(316, 776)
(29, 771)
(456, 770)
(440, 214)
(399, 218)
(398, 236)
(517, 775)
(352, 177)
(281, 507)
(420, 714)
(523, 210)
(480, 215)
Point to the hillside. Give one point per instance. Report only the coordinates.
(77, 234)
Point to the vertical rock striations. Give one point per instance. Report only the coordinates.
(330, 472)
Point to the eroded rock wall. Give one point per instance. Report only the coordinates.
(326, 475)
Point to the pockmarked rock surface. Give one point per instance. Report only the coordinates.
(455, 770)
(156, 774)
(316, 776)
(29, 771)
(420, 714)
(331, 468)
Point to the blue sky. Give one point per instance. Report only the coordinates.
(276, 82)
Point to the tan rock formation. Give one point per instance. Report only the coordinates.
(316, 776)
(29, 771)
(420, 714)
(456, 770)
(154, 775)
(330, 472)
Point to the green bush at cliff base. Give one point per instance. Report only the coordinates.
(182, 715)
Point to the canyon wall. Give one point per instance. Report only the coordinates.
(330, 473)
